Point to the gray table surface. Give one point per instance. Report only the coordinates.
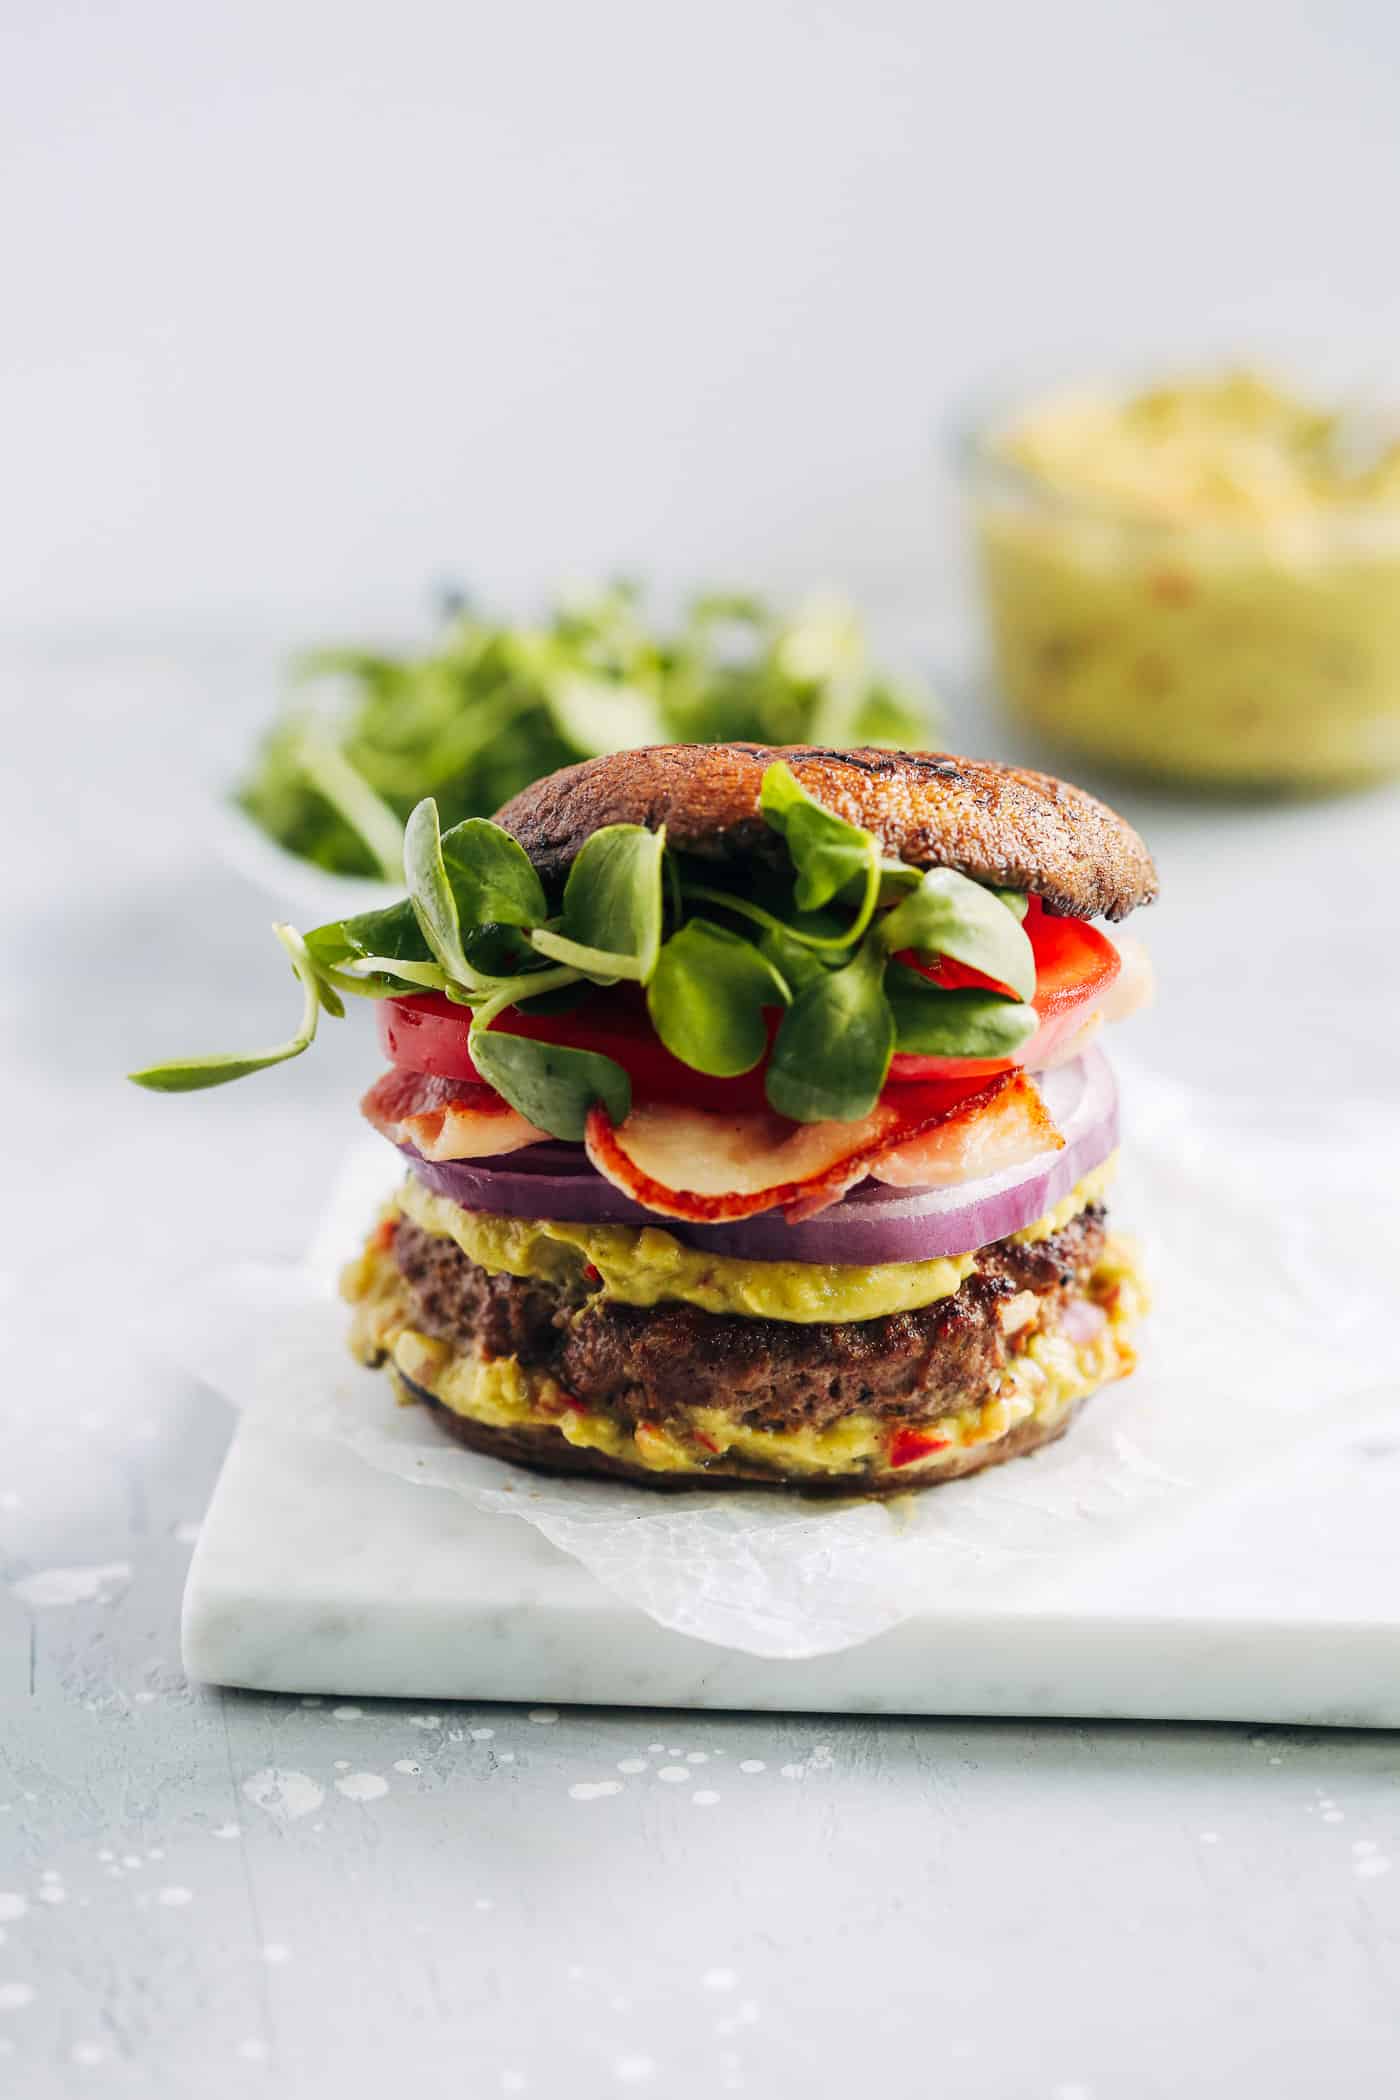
(488, 1901)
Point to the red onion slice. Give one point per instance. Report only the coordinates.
(872, 1224)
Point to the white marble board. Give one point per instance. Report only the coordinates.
(316, 1572)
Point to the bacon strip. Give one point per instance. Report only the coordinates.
(693, 1163)
(445, 1118)
(713, 1168)
(978, 1139)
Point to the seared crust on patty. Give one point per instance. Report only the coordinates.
(657, 1363)
(998, 824)
(545, 1451)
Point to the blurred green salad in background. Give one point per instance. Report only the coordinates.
(490, 707)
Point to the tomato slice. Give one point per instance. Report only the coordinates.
(1074, 967)
(427, 1033)
(1074, 962)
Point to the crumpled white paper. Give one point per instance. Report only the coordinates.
(1271, 1245)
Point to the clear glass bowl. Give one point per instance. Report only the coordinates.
(1258, 654)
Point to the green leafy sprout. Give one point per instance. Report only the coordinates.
(365, 737)
(823, 952)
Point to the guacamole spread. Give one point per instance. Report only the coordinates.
(1201, 580)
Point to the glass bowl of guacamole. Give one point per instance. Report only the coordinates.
(1199, 581)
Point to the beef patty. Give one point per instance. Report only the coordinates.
(645, 1363)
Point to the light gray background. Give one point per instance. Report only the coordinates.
(302, 305)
